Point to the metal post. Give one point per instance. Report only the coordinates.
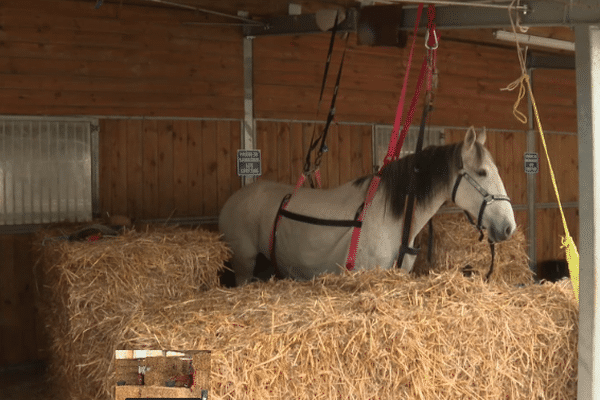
(248, 132)
(531, 187)
(587, 52)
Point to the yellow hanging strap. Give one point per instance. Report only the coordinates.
(524, 83)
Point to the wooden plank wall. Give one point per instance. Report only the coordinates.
(349, 154)
(288, 73)
(20, 333)
(67, 58)
(168, 168)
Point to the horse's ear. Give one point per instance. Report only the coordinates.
(470, 138)
(481, 137)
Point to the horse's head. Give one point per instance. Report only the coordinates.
(479, 190)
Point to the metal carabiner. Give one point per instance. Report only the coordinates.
(435, 46)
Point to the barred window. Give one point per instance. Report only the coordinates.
(432, 136)
(47, 169)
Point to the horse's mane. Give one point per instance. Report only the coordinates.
(436, 164)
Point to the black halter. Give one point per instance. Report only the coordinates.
(487, 199)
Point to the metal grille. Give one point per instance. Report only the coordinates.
(45, 171)
(432, 136)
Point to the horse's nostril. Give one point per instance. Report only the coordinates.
(508, 231)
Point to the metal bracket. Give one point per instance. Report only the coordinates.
(298, 25)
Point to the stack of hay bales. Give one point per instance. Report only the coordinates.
(365, 335)
(456, 245)
(376, 335)
(91, 291)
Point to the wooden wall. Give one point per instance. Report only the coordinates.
(20, 330)
(284, 152)
(168, 168)
(288, 73)
(67, 58)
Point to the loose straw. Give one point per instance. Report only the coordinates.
(524, 85)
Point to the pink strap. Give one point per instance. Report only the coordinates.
(398, 119)
(299, 183)
(318, 176)
(431, 55)
(351, 260)
(411, 111)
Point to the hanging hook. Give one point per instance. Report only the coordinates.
(435, 46)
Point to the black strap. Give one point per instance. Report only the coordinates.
(410, 203)
(493, 251)
(320, 141)
(284, 202)
(331, 115)
(430, 243)
(282, 212)
(348, 223)
(329, 53)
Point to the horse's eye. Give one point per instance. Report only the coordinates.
(482, 173)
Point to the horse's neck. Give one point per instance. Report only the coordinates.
(423, 212)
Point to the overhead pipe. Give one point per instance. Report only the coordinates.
(204, 10)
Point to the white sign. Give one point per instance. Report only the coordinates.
(532, 163)
(249, 163)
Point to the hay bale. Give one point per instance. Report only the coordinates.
(368, 334)
(202, 368)
(376, 334)
(126, 370)
(456, 246)
(91, 290)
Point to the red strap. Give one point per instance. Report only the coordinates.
(351, 260)
(432, 43)
(318, 177)
(398, 119)
(411, 111)
(396, 143)
(299, 183)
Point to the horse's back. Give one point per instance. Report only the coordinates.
(250, 208)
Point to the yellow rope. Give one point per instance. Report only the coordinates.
(524, 85)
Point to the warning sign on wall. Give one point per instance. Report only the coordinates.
(249, 163)
(532, 163)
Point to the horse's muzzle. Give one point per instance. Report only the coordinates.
(501, 231)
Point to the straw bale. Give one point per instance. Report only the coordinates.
(91, 290)
(126, 370)
(457, 245)
(376, 334)
(202, 369)
(154, 392)
(370, 334)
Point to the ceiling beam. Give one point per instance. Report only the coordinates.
(536, 13)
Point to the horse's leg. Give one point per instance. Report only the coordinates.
(243, 261)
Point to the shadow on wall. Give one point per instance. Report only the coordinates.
(553, 270)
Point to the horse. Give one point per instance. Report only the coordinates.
(463, 172)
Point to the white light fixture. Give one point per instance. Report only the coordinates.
(535, 40)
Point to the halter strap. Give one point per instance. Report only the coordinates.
(487, 199)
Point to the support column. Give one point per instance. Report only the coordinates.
(248, 132)
(531, 186)
(587, 51)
